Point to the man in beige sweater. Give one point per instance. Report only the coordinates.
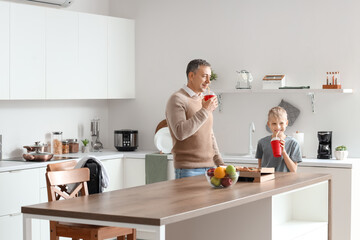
(190, 121)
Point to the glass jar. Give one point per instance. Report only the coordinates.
(65, 147)
(56, 141)
(73, 145)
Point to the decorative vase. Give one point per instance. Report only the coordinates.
(341, 155)
(85, 149)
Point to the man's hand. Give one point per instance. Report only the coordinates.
(210, 104)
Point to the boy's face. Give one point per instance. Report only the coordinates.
(277, 124)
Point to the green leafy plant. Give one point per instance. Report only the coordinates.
(85, 142)
(341, 148)
(213, 76)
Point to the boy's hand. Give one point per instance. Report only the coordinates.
(282, 144)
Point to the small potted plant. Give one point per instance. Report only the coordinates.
(213, 76)
(341, 152)
(85, 148)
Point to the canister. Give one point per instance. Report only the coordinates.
(56, 143)
(65, 147)
(73, 145)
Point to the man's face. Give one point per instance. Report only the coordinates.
(277, 124)
(200, 79)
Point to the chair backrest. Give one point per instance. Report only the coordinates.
(61, 166)
(56, 179)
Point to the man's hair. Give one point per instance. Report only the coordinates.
(194, 65)
(277, 112)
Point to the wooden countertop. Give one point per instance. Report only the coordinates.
(171, 201)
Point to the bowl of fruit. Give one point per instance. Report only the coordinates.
(222, 176)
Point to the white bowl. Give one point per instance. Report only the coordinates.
(341, 155)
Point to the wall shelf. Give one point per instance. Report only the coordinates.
(306, 91)
(310, 92)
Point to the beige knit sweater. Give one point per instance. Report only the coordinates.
(191, 129)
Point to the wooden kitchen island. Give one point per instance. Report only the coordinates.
(292, 206)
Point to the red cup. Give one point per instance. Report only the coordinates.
(276, 147)
(208, 94)
(207, 97)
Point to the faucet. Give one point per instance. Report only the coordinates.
(251, 131)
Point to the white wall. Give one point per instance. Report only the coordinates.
(301, 38)
(24, 122)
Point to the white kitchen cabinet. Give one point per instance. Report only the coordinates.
(20, 185)
(18, 188)
(11, 227)
(121, 58)
(27, 52)
(114, 168)
(92, 56)
(134, 172)
(62, 57)
(4, 50)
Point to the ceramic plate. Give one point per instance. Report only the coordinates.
(163, 140)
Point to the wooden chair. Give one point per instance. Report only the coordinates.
(58, 175)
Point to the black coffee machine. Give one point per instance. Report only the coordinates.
(324, 149)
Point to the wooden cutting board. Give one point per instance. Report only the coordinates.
(161, 125)
(256, 174)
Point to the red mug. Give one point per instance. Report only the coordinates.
(208, 94)
(207, 97)
(276, 147)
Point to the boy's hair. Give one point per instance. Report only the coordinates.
(277, 112)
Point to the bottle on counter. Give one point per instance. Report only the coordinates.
(73, 145)
(56, 142)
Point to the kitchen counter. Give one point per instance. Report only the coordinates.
(228, 158)
(189, 208)
(20, 164)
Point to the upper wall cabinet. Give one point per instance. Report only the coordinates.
(93, 71)
(57, 54)
(27, 52)
(121, 58)
(62, 54)
(4, 50)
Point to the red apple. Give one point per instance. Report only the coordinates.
(226, 181)
(210, 172)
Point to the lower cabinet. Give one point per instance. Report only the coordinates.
(114, 168)
(18, 188)
(134, 172)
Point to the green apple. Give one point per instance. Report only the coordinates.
(215, 181)
(234, 177)
(231, 170)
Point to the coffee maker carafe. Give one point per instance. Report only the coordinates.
(324, 149)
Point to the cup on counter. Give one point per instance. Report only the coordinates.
(276, 147)
(208, 94)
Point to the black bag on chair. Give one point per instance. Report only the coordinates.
(94, 184)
